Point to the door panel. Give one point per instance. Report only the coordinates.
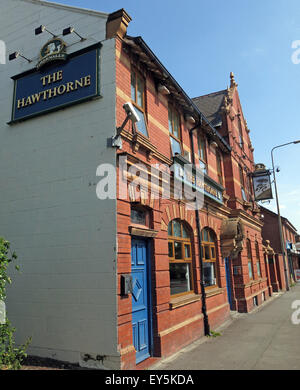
(140, 299)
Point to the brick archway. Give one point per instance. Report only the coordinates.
(176, 211)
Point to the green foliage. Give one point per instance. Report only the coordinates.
(214, 334)
(6, 257)
(10, 355)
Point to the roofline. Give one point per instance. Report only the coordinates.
(141, 42)
(68, 8)
(208, 94)
(284, 219)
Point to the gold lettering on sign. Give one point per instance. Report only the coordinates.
(52, 78)
(70, 86)
(87, 81)
(47, 94)
(21, 103)
(28, 101)
(61, 89)
(52, 93)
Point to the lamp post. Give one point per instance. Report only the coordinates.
(278, 213)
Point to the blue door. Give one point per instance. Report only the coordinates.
(228, 283)
(140, 299)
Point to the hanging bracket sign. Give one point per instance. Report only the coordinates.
(262, 183)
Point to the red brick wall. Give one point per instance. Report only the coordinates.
(174, 327)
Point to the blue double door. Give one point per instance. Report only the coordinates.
(141, 298)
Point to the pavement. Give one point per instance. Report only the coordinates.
(265, 339)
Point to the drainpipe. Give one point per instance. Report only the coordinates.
(203, 293)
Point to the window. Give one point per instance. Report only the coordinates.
(174, 130)
(202, 153)
(242, 183)
(257, 259)
(209, 258)
(240, 131)
(180, 257)
(249, 255)
(250, 188)
(138, 99)
(140, 216)
(219, 168)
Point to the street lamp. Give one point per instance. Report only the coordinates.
(278, 213)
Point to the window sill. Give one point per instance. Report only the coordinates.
(142, 231)
(183, 300)
(213, 291)
(253, 282)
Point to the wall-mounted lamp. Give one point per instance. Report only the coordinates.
(15, 55)
(39, 30)
(70, 30)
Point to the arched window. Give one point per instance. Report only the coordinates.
(257, 259)
(180, 257)
(249, 255)
(209, 254)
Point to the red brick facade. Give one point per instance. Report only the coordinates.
(271, 235)
(177, 320)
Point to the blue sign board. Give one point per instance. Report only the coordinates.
(57, 85)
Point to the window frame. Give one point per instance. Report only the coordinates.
(242, 182)
(211, 243)
(257, 258)
(184, 260)
(202, 152)
(138, 208)
(250, 185)
(172, 110)
(241, 136)
(219, 168)
(250, 258)
(134, 100)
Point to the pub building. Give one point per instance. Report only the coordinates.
(135, 237)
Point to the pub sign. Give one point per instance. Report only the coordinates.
(262, 186)
(56, 82)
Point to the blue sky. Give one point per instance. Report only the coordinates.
(201, 42)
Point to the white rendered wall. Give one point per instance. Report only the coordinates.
(65, 237)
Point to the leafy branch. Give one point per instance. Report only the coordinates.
(10, 355)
